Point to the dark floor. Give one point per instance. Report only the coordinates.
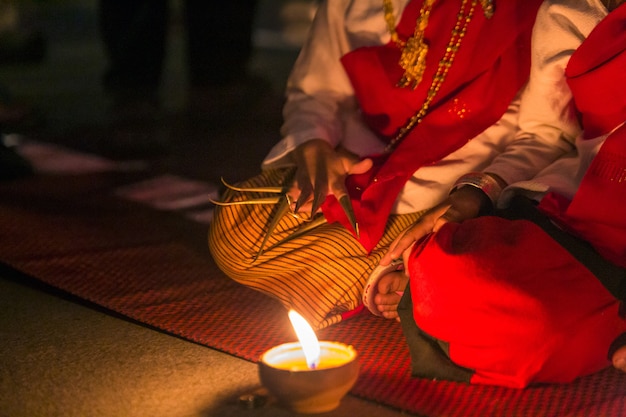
(62, 358)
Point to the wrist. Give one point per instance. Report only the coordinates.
(486, 183)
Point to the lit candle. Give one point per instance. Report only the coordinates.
(309, 376)
(307, 338)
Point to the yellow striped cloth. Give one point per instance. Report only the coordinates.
(321, 273)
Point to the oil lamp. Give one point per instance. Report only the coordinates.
(309, 376)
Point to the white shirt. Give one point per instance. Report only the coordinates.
(321, 104)
(547, 107)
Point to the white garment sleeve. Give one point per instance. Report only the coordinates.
(548, 154)
(318, 86)
(320, 101)
(548, 125)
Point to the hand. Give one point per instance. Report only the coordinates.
(322, 170)
(465, 203)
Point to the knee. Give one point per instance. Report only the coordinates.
(232, 253)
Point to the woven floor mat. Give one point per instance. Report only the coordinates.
(154, 267)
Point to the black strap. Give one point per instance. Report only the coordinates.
(610, 275)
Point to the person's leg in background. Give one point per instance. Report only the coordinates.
(219, 48)
(134, 35)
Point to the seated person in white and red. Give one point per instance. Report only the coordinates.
(535, 293)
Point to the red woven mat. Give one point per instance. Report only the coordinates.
(154, 267)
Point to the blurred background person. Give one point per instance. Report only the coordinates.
(218, 50)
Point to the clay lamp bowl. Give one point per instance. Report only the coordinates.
(309, 377)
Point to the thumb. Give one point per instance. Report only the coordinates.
(439, 223)
(361, 167)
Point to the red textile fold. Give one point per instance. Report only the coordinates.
(597, 76)
(508, 311)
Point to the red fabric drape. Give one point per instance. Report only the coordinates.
(597, 76)
(509, 311)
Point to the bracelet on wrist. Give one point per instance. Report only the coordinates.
(484, 182)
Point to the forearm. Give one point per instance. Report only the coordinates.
(318, 87)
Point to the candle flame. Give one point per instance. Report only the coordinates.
(307, 338)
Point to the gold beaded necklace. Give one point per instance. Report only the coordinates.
(414, 50)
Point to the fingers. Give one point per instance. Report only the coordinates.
(304, 188)
(346, 205)
(358, 167)
(463, 204)
(312, 159)
(390, 255)
(306, 157)
(322, 170)
(320, 190)
(403, 244)
(301, 201)
(341, 193)
(448, 216)
(312, 194)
